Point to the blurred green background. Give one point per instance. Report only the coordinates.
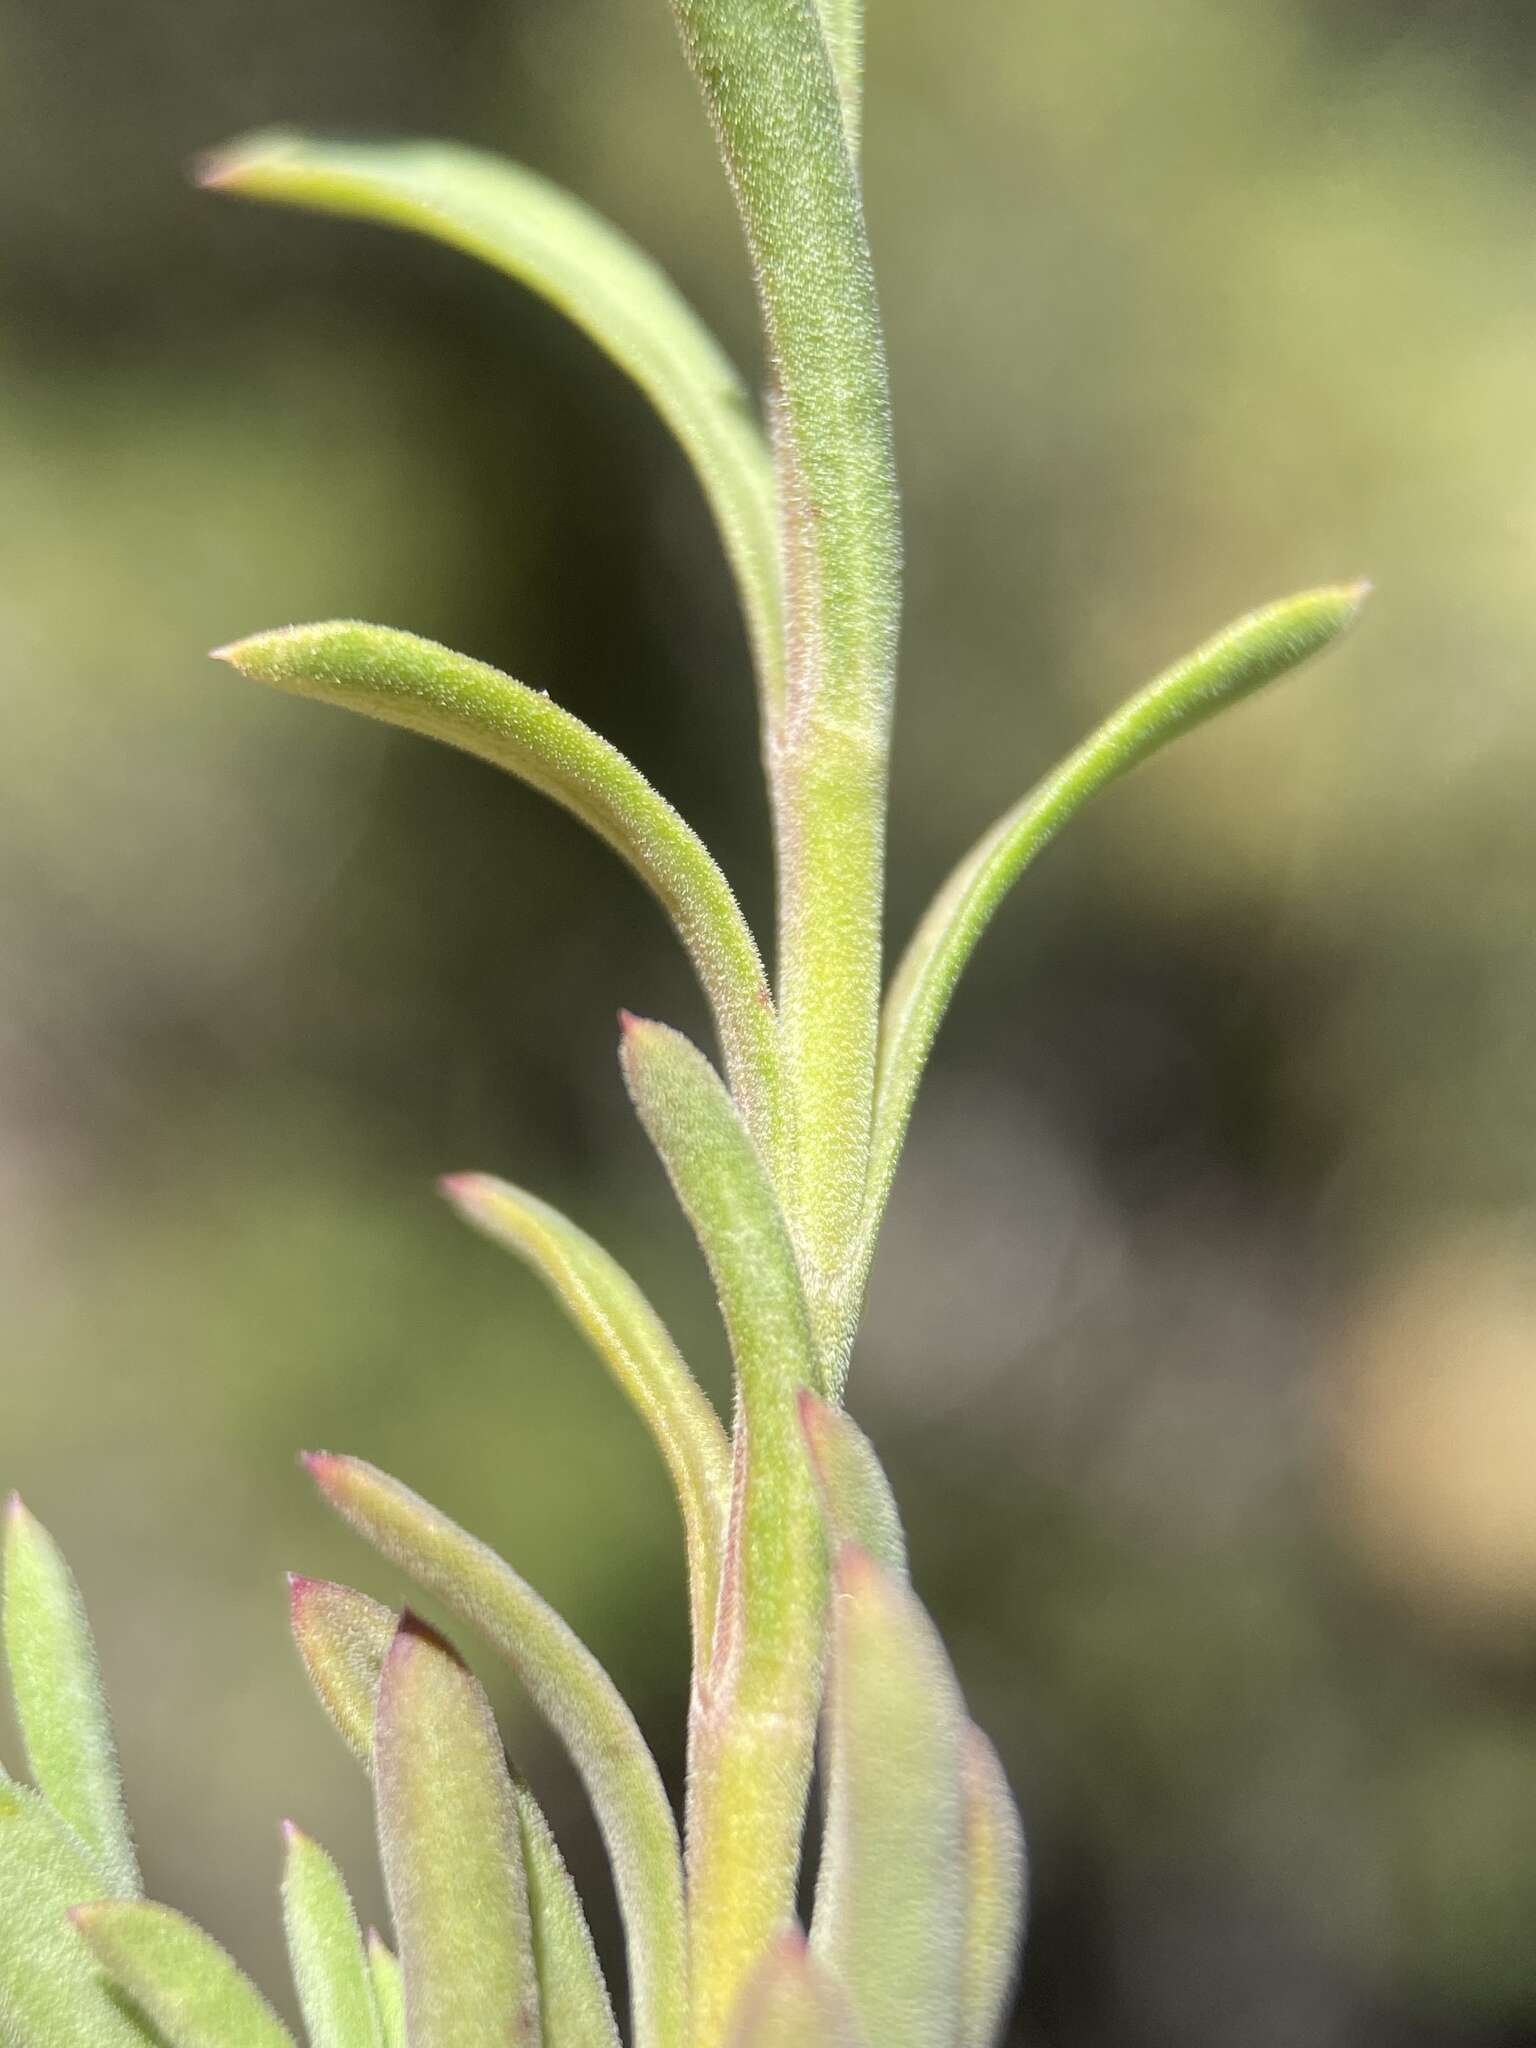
(1203, 1343)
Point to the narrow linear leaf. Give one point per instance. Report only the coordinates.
(452, 1853)
(890, 1909)
(425, 688)
(179, 1978)
(790, 2001)
(995, 1893)
(753, 1730)
(631, 1339)
(50, 1990)
(572, 1995)
(325, 1946)
(388, 1989)
(843, 23)
(1250, 653)
(548, 240)
(577, 1698)
(61, 1708)
(796, 189)
(856, 1496)
(343, 1638)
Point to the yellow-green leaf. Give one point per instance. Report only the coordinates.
(995, 1893)
(179, 1978)
(325, 1948)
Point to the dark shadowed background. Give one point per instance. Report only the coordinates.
(1203, 1344)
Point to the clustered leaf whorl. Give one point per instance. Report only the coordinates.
(803, 1616)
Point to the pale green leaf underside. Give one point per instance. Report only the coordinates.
(790, 2001)
(546, 239)
(843, 23)
(631, 1339)
(388, 1989)
(50, 1990)
(325, 1949)
(576, 1697)
(1249, 653)
(995, 1887)
(179, 1978)
(889, 1918)
(452, 1853)
(61, 1708)
(425, 688)
(573, 1998)
(856, 1498)
(755, 1710)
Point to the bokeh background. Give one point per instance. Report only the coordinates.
(1203, 1343)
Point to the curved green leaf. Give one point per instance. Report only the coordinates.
(388, 1989)
(577, 1698)
(856, 1496)
(995, 1889)
(548, 240)
(790, 2001)
(343, 1638)
(61, 1708)
(607, 1306)
(452, 1853)
(346, 1637)
(767, 75)
(1238, 661)
(179, 1978)
(890, 1909)
(50, 1990)
(325, 1947)
(428, 689)
(843, 23)
(754, 1720)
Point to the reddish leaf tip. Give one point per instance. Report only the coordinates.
(464, 1190)
(16, 1509)
(292, 1833)
(375, 1941)
(791, 1945)
(322, 1466)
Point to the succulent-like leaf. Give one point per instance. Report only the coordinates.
(50, 1990)
(573, 1998)
(428, 689)
(343, 1638)
(452, 1853)
(577, 1698)
(1249, 653)
(629, 1336)
(325, 1946)
(388, 1989)
(753, 1732)
(767, 75)
(790, 2001)
(185, 1985)
(60, 1705)
(890, 1910)
(995, 1888)
(856, 1496)
(548, 240)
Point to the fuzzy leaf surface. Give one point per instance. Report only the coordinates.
(61, 1707)
(548, 240)
(425, 688)
(767, 75)
(790, 2001)
(995, 1893)
(573, 1999)
(843, 24)
(577, 1698)
(631, 1339)
(325, 1947)
(51, 1994)
(343, 1638)
(452, 1853)
(179, 1978)
(753, 1730)
(1251, 652)
(388, 1989)
(856, 1496)
(890, 1908)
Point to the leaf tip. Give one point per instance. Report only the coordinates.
(228, 166)
(466, 1192)
(17, 1514)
